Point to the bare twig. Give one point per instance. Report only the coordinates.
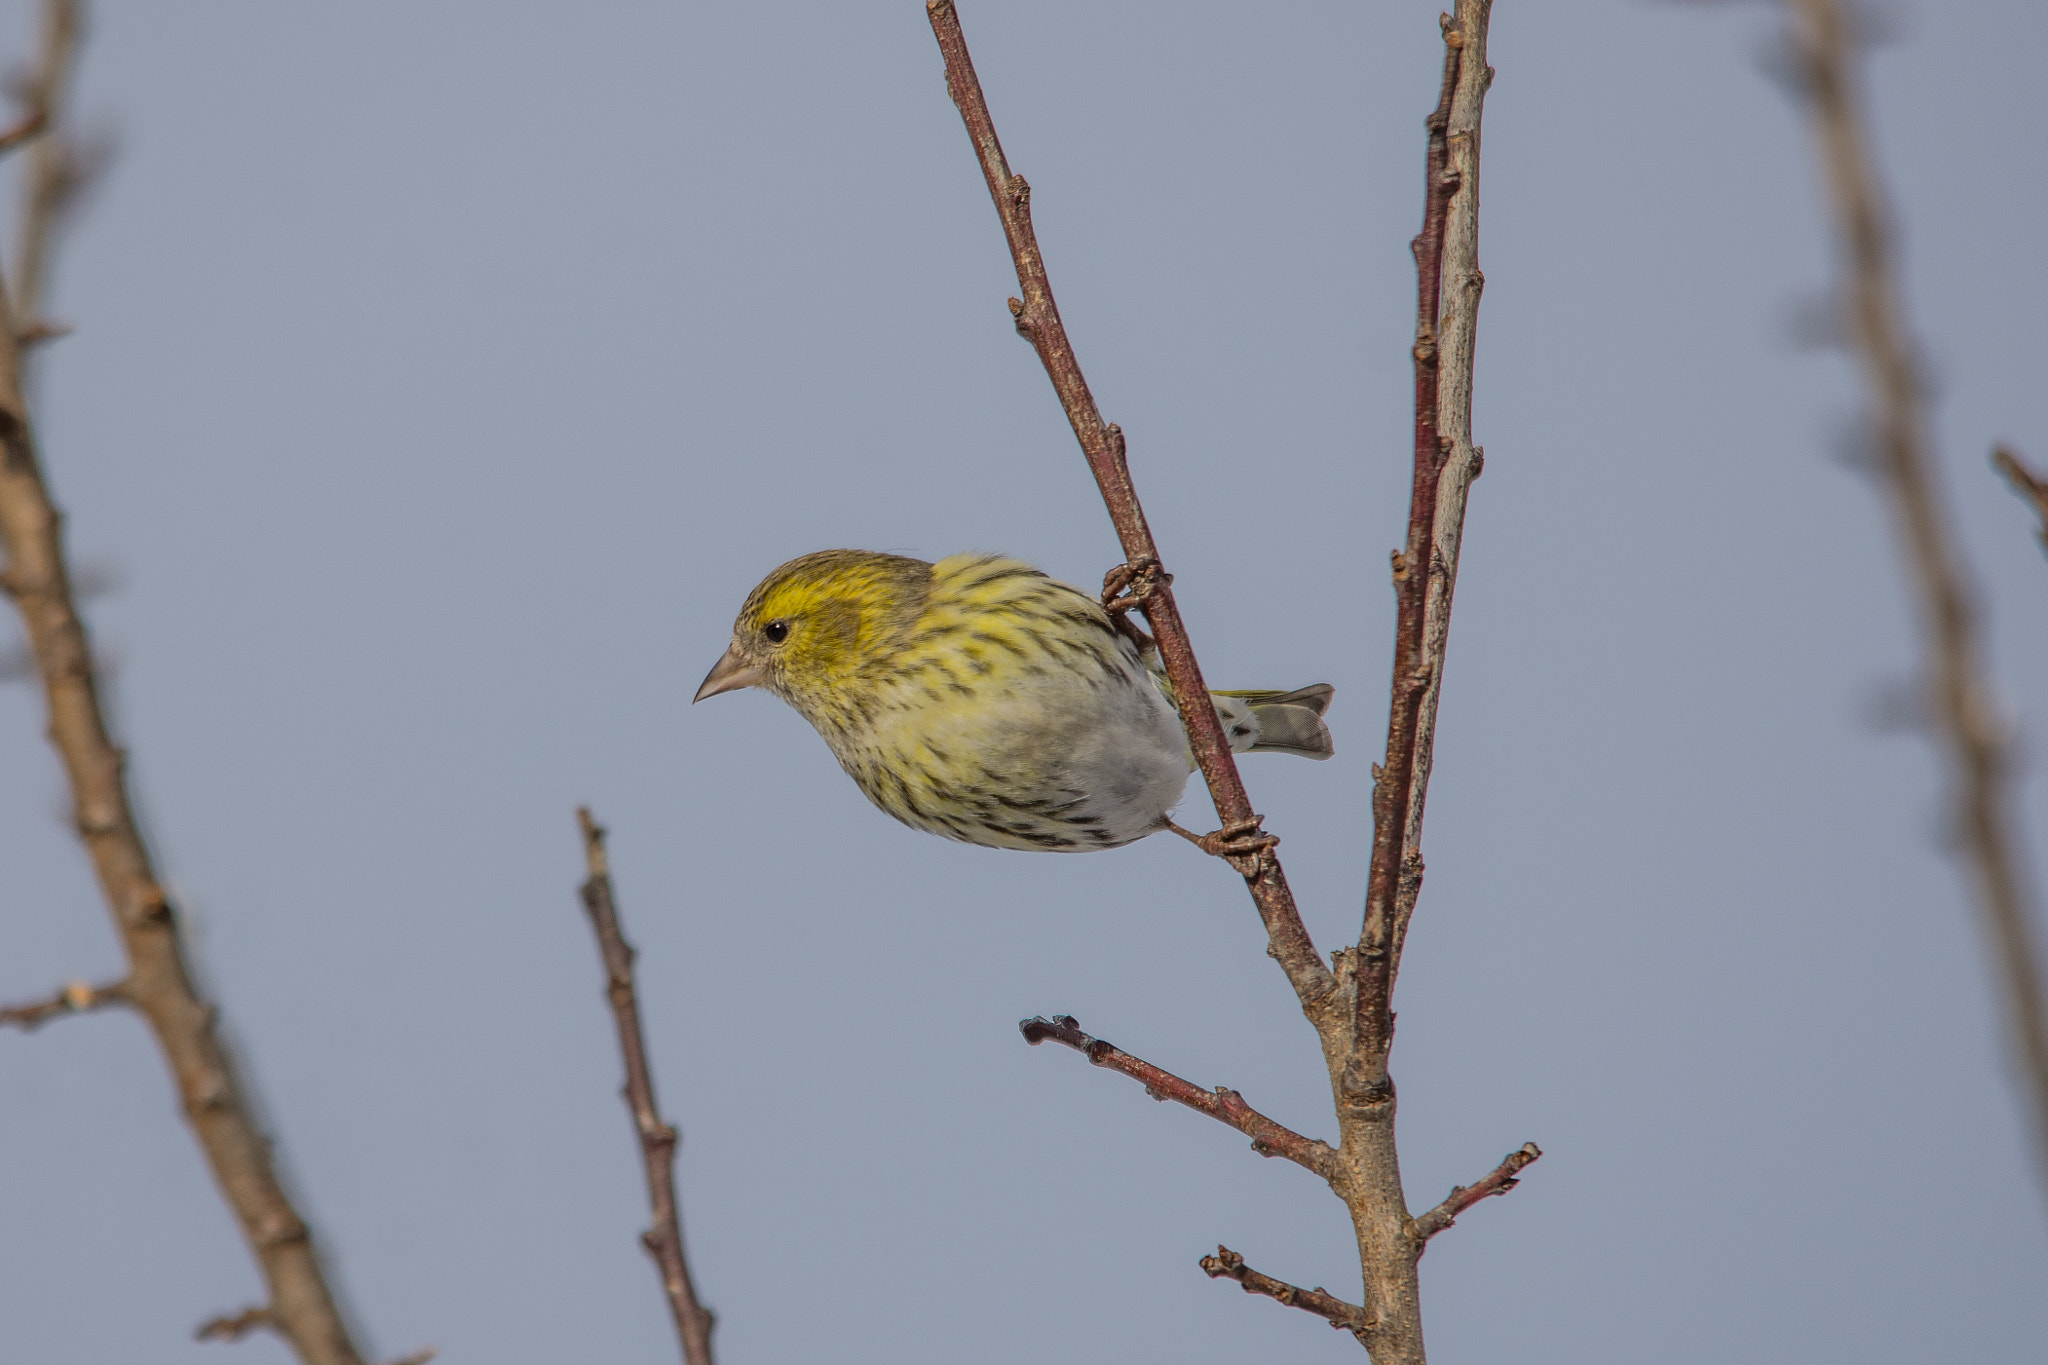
(1038, 321)
(76, 998)
(1225, 1106)
(159, 985)
(1350, 1006)
(59, 171)
(658, 1140)
(234, 1326)
(1499, 1180)
(1349, 1317)
(1966, 715)
(2026, 483)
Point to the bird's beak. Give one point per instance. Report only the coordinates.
(729, 674)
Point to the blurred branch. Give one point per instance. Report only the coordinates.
(79, 997)
(1225, 1106)
(1965, 714)
(159, 985)
(2026, 483)
(60, 170)
(1351, 1006)
(658, 1140)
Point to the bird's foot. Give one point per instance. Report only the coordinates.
(1242, 840)
(1127, 587)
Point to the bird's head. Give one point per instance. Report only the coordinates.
(819, 626)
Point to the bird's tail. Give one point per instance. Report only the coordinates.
(1283, 722)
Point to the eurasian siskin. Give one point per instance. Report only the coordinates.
(979, 699)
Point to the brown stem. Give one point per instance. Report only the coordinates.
(234, 1326)
(658, 1140)
(1349, 1317)
(76, 998)
(1223, 1105)
(1038, 320)
(1967, 717)
(2026, 483)
(1395, 789)
(1499, 1180)
(159, 984)
(1444, 463)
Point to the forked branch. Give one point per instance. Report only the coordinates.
(1351, 1006)
(1225, 1106)
(658, 1140)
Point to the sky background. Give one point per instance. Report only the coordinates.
(446, 374)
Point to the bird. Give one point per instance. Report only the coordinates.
(979, 699)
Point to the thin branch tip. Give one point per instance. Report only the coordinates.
(1499, 1180)
(658, 1139)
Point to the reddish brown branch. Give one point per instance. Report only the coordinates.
(1038, 320)
(77, 998)
(1396, 786)
(1968, 723)
(2026, 483)
(300, 1304)
(1349, 1317)
(1499, 1180)
(1223, 1105)
(658, 1140)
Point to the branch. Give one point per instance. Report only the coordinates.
(234, 1326)
(1223, 1105)
(1401, 782)
(1965, 712)
(1038, 321)
(658, 1140)
(1349, 1317)
(60, 170)
(1499, 1180)
(159, 985)
(76, 998)
(2026, 483)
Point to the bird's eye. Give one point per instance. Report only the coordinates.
(776, 631)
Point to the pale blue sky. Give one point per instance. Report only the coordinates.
(446, 373)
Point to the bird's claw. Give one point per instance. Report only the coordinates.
(1242, 840)
(1130, 585)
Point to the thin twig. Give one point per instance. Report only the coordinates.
(1499, 1180)
(1223, 1105)
(658, 1140)
(1348, 1317)
(2026, 483)
(1038, 321)
(1395, 788)
(234, 1326)
(159, 985)
(1967, 717)
(77, 998)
